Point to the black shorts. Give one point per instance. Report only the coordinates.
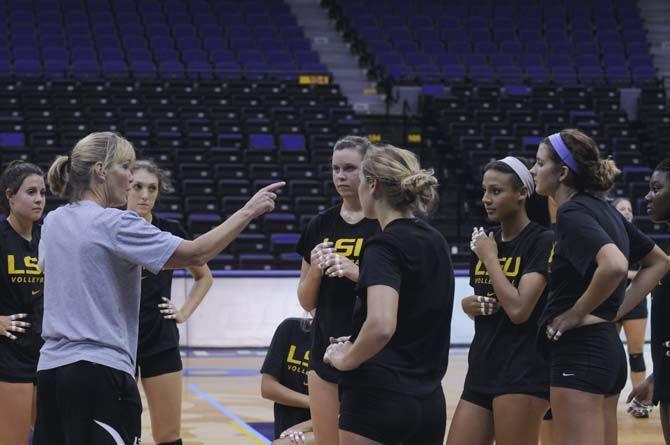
(661, 359)
(325, 371)
(164, 362)
(589, 359)
(7, 378)
(85, 403)
(638, 312)
(392, 418)
(485, 400)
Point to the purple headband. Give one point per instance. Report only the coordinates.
(563, 152)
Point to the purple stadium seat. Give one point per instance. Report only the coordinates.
(12, 140)
(292, 142)
(261, 142)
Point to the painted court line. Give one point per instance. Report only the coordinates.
(239, 423)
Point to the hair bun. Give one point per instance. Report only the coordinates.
(420, 187)
(418, 180)
(404, 185)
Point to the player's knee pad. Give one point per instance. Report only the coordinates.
(637, 362)
(176, 442)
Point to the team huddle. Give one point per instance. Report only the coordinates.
(86, 304)
(548, 298)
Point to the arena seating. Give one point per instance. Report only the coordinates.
(469, 126)
(221, 141)
(210, 90)
(513, 41)
(148, 38)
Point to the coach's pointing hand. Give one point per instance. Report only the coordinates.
(264, 200)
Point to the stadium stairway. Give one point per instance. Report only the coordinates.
(656, 15)
(336, 55)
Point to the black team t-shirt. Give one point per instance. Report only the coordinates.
(413, 258)
(21, 292)
(660, 308)
(334, 309)
(287, 360)
(503, 356)
(584, 225)
(156, 333)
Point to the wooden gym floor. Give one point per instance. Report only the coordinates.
(221, 397)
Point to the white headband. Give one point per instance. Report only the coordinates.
(522, 172)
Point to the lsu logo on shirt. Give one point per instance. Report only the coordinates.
(509, 265)
(348, 247)
(24, 271)
(294, 364)
(551, 256)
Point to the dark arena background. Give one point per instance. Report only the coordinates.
(229, 96)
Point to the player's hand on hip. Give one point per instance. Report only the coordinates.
(336, 354)
(569, 319)
(342, 339)
(170, 311)
(11, 325)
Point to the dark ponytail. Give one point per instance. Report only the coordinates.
(594, 174)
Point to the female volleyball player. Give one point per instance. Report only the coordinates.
(506, 389)
(22, 200)
(331, 246)
(393, 364)
(92, 255)
(158, 358)
(656, 387)
(588, 269)
(634, 325)
(284, 371)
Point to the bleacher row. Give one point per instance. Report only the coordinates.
(149, 38)
(513, 41)
(208, 89)
(466, 127)
(221, 141)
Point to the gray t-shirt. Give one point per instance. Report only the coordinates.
(92, 259)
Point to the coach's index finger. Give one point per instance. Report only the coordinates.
(273, 187)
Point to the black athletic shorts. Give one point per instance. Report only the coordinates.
(13, 379)
(485, 400)
(325, 371)
(84, 404)
(589, 359)
(661, 358)
(392, 418)
(638, 312)
(164, 362)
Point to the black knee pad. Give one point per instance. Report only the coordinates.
(176, 442)
(637, 362)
